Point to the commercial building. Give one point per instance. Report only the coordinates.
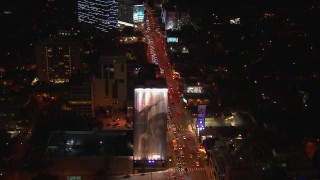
(79, 97)
(82, 154)
(227, 163)
(194, 95)
(102, 14)
(57, 59)
(110, 83)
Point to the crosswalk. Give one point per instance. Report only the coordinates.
(196, 169)
(182, 129)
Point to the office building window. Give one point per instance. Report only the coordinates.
(106, 86)
(98, 72)
(115, 89)
(122, 67)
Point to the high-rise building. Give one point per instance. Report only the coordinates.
(110, 83)
(131, 13)
(58, 59)
(102, 14)
(126, 11)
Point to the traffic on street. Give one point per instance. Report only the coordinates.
(187, 155)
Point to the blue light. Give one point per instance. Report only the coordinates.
(103, 14)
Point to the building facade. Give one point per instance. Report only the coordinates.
(79, 98)
(227, 163)
(126, 11)
(58, 59)
(110, 83)
(102, 14)
(150, 122)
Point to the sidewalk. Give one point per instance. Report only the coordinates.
(209, 175)
(159, 175)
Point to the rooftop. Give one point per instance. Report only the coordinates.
(85, 143)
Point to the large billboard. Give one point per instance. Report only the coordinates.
(150, 123)
(138, 13)
(171, 20)
(201, 117)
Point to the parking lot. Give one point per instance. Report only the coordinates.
(116, 122)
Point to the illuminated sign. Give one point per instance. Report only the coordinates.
(184, 100)
(235, 21)
(150, 123)
(201, 117)
(194, 89)
(172, 39)
(200, 122)
(138, 13)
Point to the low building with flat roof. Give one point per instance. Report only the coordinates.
(226, 162)
(85, 153)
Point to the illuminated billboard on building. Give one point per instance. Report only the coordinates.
(201, 117)
(138, 13)
(194, 89)
(171, 20)
(150, 123)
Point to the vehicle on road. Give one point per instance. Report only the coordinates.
(197, 163)
(198, 155)
(174, 142)
(181, 154)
